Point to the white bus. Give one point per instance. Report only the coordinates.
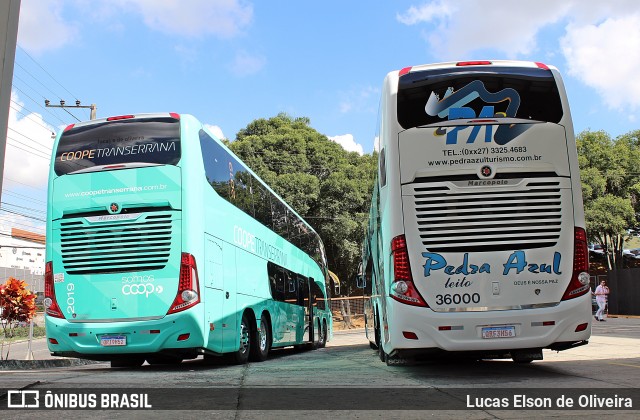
(476, 243)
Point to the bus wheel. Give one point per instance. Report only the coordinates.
(383, 356)
(261, 341)
(127, 363)
(376, 330)
(241, 355)
(317, 336)
(323, 335)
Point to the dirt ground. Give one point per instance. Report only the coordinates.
(339, 323)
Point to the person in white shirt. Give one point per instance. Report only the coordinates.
(602, 291)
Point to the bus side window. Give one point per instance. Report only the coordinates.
(383, 169)
(290, 293)
(276, 282)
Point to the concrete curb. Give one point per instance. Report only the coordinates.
(43, 364)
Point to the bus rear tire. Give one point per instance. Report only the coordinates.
(241, 356)
(261, 341)
(323, 335)
(383, 356)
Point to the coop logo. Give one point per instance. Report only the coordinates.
(141, 289)
(452, 106)
(23, 399)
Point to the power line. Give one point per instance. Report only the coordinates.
(31, 139)
(44, 70)
(23, 215)
(26, 185)
(28, 116)
(23, 207)
(22, 196)
(36, 79)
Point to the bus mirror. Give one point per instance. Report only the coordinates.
(336, 289)
(361, 281)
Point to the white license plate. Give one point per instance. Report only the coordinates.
(113, 340)
(499, 332)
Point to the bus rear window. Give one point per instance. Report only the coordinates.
(123, 142)
(435, 96)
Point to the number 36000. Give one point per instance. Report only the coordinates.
(457, 299)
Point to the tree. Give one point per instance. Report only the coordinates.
(17, 305)
(328, 186)
(610, 174)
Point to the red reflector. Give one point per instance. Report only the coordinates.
(473, 63)
(582, 327)
(154, 331)
(410, 335)
(67, 128)
(175, 115)
(548, 323)
(120, 117)
(444, 328)
(542, 66)
(73, 334)
(183, 337)
(53, 341)
(404, 71)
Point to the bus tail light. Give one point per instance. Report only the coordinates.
(473, 63)
(402, 289)
(188, 294)
(579, 284)
(120, 117)
(50, 303)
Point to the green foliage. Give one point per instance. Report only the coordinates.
(20, 333)
(328, 186)
(610, 173)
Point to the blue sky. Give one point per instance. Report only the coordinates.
(229, 62)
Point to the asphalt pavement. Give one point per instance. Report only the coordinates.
(618, 337)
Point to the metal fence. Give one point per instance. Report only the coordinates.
(352, 305)
(35, 281)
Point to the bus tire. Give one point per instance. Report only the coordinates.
(127, 363)
(317, 336)
(323, 335)
(376, 329)
(261, 341)
(241, 356)
(381, 353)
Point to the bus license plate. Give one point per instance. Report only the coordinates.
(113, 340)
(499, 332)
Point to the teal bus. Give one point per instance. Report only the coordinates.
(163, 246)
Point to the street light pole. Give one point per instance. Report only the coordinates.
(92, 107)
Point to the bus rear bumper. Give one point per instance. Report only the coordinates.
(560, 328)
(177, 334)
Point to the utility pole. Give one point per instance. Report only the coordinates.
(92, 107)
(9, 15)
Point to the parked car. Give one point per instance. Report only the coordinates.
(632, 253)
(596, 248)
